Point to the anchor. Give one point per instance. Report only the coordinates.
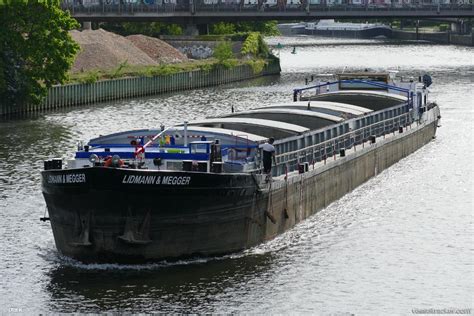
(82, 228)
(132, 234)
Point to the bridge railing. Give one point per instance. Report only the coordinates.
(162, 6)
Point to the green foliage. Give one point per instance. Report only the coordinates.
(255, 46)
(267, 28)
(118, 71)
(250, 45)
(229, 63)
(36, 50)
(444, 27)
(222, 28)
(150, 71)
(223, 51)
(207, 67)
(146, 28)
(173, 29)
(257, 65)
(91, 77)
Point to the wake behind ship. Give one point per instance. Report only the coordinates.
(198, 188)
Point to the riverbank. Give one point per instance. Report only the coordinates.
(64, 96)
(113, 67)
(434, 34)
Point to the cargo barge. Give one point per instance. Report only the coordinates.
(346, 29)
(199, 189)
(336, 29)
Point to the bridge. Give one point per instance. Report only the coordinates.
(200, 12)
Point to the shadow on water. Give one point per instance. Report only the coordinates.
(185, 286)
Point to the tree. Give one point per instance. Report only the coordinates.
(255, 45)
(36, 50)
(146, 28)
(267, 28)
(222, 28)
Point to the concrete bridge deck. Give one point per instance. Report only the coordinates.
(197, 14)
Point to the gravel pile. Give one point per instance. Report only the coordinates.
(158, 50)
(105, 50)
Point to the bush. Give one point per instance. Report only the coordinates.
(91, 77)
(145, 28)
(222, 28)
(223, 51)
(257, 65)
(255, 45)
(229, 63)
(118, 71)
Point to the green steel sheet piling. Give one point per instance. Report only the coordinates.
(75, 94)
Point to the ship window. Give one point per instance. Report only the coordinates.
(424, 99)
(328, 134)
(199, 148)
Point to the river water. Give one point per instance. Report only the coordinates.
(399, 243)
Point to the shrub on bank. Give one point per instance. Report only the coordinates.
(255, 46)
(223, 51)
(165, 69)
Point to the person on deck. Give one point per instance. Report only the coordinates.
(268, 156)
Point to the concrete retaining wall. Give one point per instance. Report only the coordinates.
(435, 37)
(201, 49)
(105, 90)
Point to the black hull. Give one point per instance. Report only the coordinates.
(104, 219)
(364, 33)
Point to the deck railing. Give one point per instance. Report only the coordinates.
(321, 151)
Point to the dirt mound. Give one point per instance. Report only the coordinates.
(105, 50)
(158, 50)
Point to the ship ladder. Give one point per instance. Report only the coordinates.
(285, 210)
(269, 211)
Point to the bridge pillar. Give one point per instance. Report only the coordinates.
(417, 25)
(191, 30)
(86, 25)
(455, 27)
(461, 27)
